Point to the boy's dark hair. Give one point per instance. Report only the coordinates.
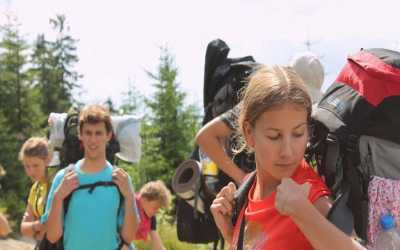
(94, 114)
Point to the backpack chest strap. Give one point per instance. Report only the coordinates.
(92, 186)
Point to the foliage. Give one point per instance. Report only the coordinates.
(168, 129)
(53, 68)
(132, 102)
(18, 115)
(34, 80)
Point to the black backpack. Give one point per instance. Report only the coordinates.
(71, 150)
(223, 79)
(352, 127)
(45, 244)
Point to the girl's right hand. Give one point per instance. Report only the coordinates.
(222, 208)
(69, 183)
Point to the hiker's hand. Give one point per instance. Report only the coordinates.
(121, 178)
(222, 208)
(289, 195)
(38, 229)
(69, 183)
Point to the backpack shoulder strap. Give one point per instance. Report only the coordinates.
(241, 196)
(69, 168)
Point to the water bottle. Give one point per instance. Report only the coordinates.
(389, 238)
(210, 172)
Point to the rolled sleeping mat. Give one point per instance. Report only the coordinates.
(186, 183)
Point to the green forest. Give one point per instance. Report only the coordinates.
(39, 77)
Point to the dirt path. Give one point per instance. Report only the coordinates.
(11, 244)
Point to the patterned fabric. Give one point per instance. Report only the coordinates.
(384, 198)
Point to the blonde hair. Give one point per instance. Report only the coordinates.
(156, 191)
(270, 87)
(35, 147)
(94, 114)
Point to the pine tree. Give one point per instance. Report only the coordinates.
(168, 132)
(43, 71)
(132, 101)
(53, 66)
(20, 115)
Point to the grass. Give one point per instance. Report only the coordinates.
(169, 237)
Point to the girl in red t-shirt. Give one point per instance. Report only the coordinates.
(288, 201)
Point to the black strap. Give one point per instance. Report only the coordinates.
(241, 196)
(241, 200)
(330, 162)
(92, 186)
(340, 214)
(241, 234)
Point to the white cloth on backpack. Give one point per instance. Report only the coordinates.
(127, 132)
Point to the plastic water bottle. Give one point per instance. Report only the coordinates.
(389, 238)
(210, 173)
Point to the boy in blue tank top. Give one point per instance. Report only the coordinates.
(93, 219)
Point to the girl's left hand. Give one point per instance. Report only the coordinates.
(289, 195)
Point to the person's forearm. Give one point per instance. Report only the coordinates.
(28, 228)
(228, 237)
(54, 222)
(130, 223)
(4, 227)
(321, 233)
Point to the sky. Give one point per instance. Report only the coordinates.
(119, 40)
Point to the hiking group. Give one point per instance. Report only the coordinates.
(90, 198)
(296, 169)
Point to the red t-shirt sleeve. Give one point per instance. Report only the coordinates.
(318, 188)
